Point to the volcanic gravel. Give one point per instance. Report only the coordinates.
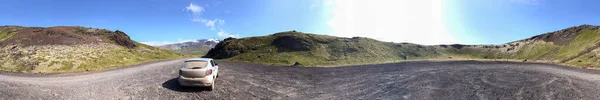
(447, 80)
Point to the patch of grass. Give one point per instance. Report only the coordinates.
(52, 63)
(4, 68)
(66, 65)
(535, 50)
(590, 60)
(93, 58)
(124, 57)
(40, 59)
(22, 67)
(5, 34)
(586, 38)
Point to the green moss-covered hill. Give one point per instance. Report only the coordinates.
(311, 49)
(577, 46)
(71, 49)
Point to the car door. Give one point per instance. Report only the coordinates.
(215, 66)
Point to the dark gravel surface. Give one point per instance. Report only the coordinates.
(446, 80)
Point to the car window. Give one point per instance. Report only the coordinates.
(195, 64)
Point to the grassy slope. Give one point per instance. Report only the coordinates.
(586, 39)
(556, 53)
(334, 51)
(546, 51)
(87, 57)
(538, 50)
(327, 50)
(4, 34)
(76, 58)
(124, 57)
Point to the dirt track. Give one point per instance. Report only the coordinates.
(407, 80)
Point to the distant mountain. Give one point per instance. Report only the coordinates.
(575, 46)
(71, 49)
(198, 47)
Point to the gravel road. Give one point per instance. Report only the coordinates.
(448, 80)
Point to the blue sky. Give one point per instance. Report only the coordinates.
(418, 21)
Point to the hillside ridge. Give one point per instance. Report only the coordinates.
(563, 36)
(576, 46)
(63, 35)
(71, 49)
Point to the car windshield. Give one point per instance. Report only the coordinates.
(195, 64)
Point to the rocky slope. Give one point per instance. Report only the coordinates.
(576, 46)
(70, 49)
(198, 47)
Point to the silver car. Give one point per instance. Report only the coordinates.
(199, 72)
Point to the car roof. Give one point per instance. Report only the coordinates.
(198, 59)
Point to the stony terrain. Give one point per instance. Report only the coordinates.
(448, 80)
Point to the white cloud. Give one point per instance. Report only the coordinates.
(211, 23)
(222, 33)
(415, 21)
(196, 12)
(159, 43)
(214, 40)
(196, 17)
(194, 8)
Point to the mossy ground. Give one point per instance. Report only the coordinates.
(77, 58)
(327, 51)
(5, 34)
(71, 49)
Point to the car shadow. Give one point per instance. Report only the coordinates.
(173, 84)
